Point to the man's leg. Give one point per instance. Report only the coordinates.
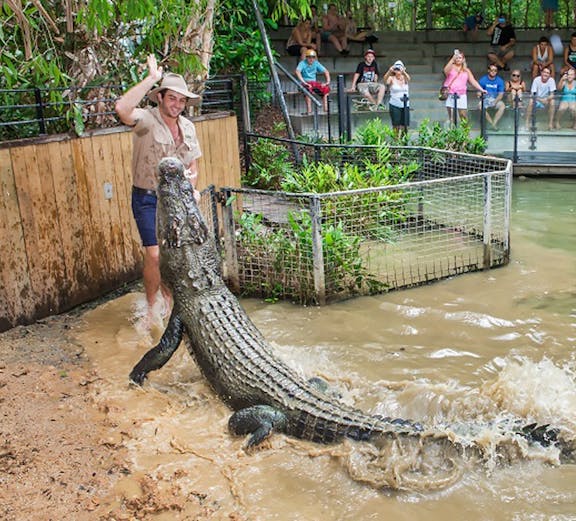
(500, 107)
(151, 273)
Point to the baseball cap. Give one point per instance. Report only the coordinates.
(310, 53)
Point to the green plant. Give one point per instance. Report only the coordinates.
(285, 260)
(374, 132)
(456, 138)
(270, 164)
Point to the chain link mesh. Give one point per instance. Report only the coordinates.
(451, 218)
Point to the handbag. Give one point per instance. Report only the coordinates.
(445, 89)
(443, 94)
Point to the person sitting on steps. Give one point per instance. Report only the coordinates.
(301, 39)
(354, 35)
(365, 79)
(493, 99)
(306, 72)
(503, 40)
(542, 89)
(542, 56)
(334, 31)
(515, 87)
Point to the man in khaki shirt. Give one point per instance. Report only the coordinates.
(157, 132)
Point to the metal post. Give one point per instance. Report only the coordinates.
(507, 211)
(348, 118)
(317, 252)
(482, 117)
(516, 127)
(230, 253)
(487, 222)
(341, 107)
(39, 110)
(455, 96)
(533, 136)
(246, 119)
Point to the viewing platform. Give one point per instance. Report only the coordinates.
(425, 53)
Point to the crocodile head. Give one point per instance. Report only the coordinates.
(188, 256)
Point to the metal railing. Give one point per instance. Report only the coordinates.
(40, 111)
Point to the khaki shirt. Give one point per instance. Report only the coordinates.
(152, 140)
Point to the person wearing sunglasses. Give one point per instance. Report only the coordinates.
(515, 87)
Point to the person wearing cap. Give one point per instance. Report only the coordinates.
(397, 80)
(503, 40)
(156, 132)
(365, 79)
(307, 71)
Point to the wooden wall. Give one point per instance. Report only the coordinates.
(64, 242)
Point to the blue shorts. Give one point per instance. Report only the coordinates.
(144, 211)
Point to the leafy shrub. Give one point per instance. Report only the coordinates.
(270, 164)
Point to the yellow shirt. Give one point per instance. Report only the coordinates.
(152, 140)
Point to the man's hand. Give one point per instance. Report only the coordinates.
(153, 70)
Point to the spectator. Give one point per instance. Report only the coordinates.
(306, 72)
(301, 39)
(542, 56)
(549, 7)
(458, 75)
(503, 40)
(567, 87)
(397, 80)
(493, 100)
(352, 33)
(316, 26)
(157, 132)
(515, 87)
(365, 79)
(471, 25)
(542, 89)
(569, 55)
(334, 30)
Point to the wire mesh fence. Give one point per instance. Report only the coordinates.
(452, 217)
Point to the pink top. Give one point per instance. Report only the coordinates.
(457, 82)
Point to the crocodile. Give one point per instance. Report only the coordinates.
(265, 394)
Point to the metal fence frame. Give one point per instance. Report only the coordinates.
(438, 169)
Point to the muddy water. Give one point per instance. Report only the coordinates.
(475, 348)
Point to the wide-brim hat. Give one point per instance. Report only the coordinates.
(173, 82)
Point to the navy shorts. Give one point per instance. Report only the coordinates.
(144, 211)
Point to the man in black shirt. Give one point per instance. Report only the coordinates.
(502, 42)
(366, 80)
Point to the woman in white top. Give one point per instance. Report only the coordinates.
(397, 80)
(542, 56)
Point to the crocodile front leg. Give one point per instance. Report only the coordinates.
(259, 421)
(162, 352)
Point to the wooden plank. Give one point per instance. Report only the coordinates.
(109, 208)
(137, 252)
(82, 155)
(102, 222)
(14, 276)
(71, 230)
(121, 199)
(49, 228)
(36, 235)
